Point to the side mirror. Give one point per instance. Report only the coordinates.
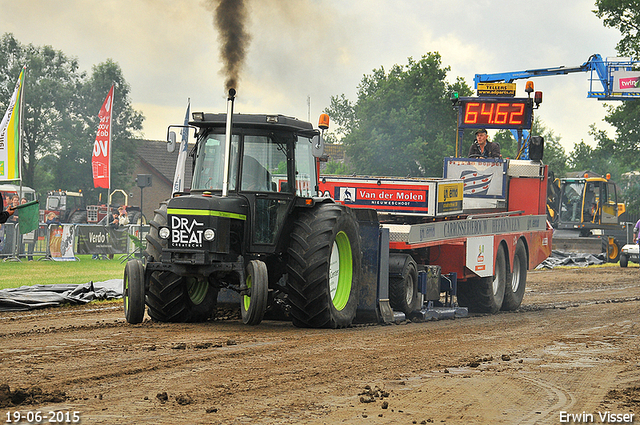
(317, 146)
(171, 142)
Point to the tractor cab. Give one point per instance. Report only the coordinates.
(243, 189)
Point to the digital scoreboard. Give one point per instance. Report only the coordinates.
(479, 112)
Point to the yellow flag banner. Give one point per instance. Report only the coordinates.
(10, 150)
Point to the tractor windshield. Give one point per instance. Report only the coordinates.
(208, 170)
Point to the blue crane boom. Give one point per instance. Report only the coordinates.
(607, 71)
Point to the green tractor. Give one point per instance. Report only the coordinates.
(251, 230)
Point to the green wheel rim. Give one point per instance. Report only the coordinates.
(340, 271)
(246, 299)
(197, 290)
(126, 293)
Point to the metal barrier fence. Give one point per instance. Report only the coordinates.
(64, 242)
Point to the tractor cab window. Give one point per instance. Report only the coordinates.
(209, 166)
(264, 164)
(305, 168)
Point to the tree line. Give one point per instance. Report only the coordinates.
(60, 117)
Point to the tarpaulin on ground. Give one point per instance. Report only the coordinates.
(561, 258)
(41, 296)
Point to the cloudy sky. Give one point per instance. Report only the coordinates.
(313, 49)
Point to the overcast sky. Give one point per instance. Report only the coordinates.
(300, 49)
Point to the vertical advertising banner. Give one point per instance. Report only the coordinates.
(100, 161)
(10, 150)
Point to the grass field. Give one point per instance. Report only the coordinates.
(27, 273)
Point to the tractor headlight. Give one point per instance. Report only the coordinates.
(164, 232)
(209, 235)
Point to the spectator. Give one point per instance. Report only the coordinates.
(123, 218)
(4, 215)
(52, 218)
(114, 220)
(15, 201)
(636, 232)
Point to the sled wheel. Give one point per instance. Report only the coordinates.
(254, 303)
(517, 280)
(133, 291)
(485, 294)
(324, 267)
(403, 284)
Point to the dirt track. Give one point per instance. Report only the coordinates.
(573, 347)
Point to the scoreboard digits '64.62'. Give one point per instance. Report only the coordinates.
(495, 113)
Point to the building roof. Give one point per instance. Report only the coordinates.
(153, 153)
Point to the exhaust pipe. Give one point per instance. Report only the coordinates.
(227, 146)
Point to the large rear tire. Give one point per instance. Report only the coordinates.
(133, 291)
(254, 304)
(324, 267)
(173, 298)
(485, 294)
(403, 284)
(517, 280)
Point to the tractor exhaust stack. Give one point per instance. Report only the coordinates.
(227, 146)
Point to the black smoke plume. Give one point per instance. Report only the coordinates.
(230, 18)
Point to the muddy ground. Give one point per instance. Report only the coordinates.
(572, 349)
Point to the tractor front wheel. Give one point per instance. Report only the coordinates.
(254, 303)
(133, 291)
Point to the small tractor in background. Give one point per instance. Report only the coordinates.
(70, 207)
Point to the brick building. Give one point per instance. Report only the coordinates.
(153, 159)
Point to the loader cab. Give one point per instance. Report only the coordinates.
(271, 165)
(587, 201)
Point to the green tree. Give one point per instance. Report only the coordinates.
(623, 15)
(403, 123)
(620, 155)
(60, 120)
(554, 154)
(47, 94)
(81, 132)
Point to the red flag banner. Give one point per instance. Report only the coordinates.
(100, 160)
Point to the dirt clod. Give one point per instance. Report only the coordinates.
(163, 397)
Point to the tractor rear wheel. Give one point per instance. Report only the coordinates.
(517, 280)
(174, 298)
(324, 267)
(403, 284)
(133, 291)
(485, 294)
(254, 303)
